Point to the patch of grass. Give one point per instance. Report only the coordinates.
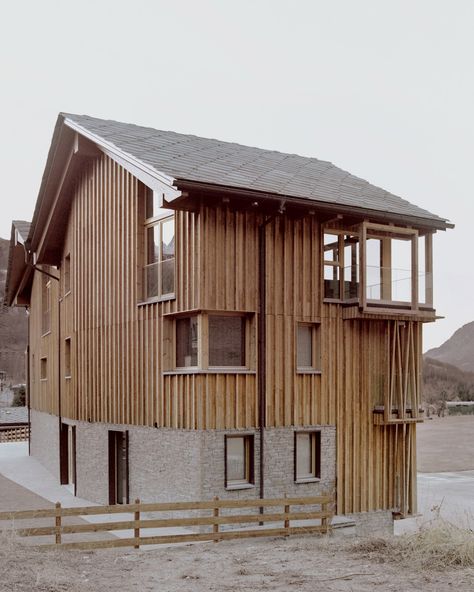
(438, 545)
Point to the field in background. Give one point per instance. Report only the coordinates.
(446, 444)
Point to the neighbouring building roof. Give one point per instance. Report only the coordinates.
(191, 158)
(23, 229)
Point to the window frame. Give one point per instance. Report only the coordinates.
(170, 348)
(67, 275)
(67, 358)
(46, 304)
(249, 462)
(316, 350)
(44, 366)
(158, 220)
(316, 455)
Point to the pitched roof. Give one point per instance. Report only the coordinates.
(191, 158)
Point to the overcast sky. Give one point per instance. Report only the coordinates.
(383, 89)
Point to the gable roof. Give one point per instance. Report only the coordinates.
(203, 160)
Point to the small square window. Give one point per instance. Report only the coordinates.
(239, 452)
(187, 342)
(44, 369)
(307, 456)
(308, 347)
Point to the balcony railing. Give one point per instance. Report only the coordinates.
(390, 286)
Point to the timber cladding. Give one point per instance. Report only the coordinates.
(120, 345)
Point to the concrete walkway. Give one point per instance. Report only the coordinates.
(37, 488)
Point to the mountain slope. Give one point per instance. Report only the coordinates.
(13, 328)
(458, 350)
(444, 382)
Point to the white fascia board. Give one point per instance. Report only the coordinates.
(155, 180)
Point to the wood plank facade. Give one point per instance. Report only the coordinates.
(106, 354)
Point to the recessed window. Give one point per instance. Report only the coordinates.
(308, 347)
(44, 369)
(187, 342)
(226, 341)
(239, 452)
(307, 456)
(67, 274)
(67, 358)
(159, 268)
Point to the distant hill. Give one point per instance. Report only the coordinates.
(445, 382)
(13, 328)
(458, 350)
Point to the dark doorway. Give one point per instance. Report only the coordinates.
(118, 467)
(67, 446)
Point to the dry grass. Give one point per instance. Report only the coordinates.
(438, 545)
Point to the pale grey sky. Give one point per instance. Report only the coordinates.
(382, 88)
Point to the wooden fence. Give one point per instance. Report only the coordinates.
(14, 432)
(257, 524)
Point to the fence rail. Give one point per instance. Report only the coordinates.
(259, 521)
(14, 432)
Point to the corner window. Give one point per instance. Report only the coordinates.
(239, 453)
(220, 342)
(307, 456)
(308, 347)
(187, 342)
(159, 269)
(44, 369)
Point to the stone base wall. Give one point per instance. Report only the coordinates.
(45, 440)
(376, 523)
(184, 465)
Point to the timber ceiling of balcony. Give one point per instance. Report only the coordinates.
(189, 158)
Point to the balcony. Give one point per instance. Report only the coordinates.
(379, 269)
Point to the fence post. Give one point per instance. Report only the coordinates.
(58, 523)
(324, 520)
(287, 522)
(215, 527)
(136, 531)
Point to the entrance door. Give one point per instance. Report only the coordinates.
(118, 467)
(67, 445)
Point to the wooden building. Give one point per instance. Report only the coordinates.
(212, 319)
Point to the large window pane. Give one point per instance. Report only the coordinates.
(226, 341)
(236, 459)
(151, 280)
(153, 244)
(186, 342)
(167, 277)
(167, 239)
(304, 465)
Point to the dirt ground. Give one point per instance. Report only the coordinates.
(446, 444)
(331, 564)
(303, 564)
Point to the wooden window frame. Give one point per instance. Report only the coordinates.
(316, 353)
(67, 353)
(152, 222)
(170, 332)
(316, 454)
(43, 366)
(46, 304)
(67, 275)
(249, 460)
